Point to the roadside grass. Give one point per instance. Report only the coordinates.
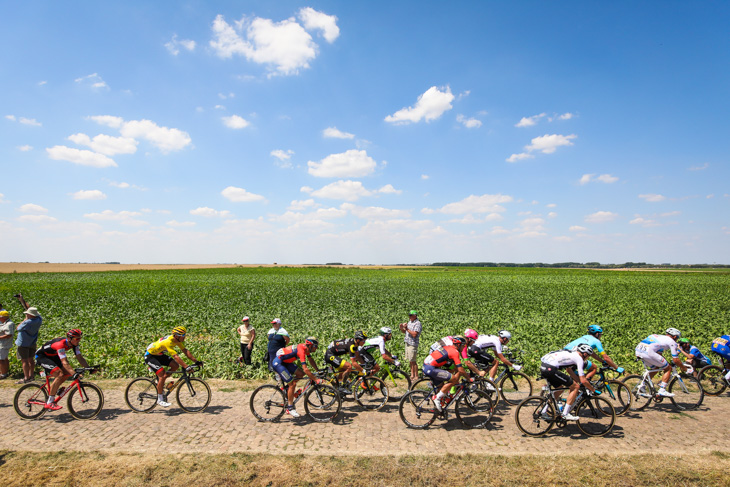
(127, 469)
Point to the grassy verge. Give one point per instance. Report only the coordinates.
(81, 469)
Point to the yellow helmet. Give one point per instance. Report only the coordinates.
(179, 330)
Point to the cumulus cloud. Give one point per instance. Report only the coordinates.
(429, 106)
(210, 212)
(350, 164)
(90, 194)
(389, 189)
(283, 156)
(164, 138)
(235, 122)
(470, 123)
(240, 195)
(529, 121)
(174, 45)
(301, 205)
(81, 157)
(25, 121)
(285, 47)
(603, 178)
(487, 203)
(108, 120)
(644, 222)
(375, 212)
(340, 190)
(105, 144)
(121, 185)
(334, 133)
(32, 208)
(577, 228)
(601, 217)
(519, 157)
(37, 219)
(122, 217)
(652, 198)
(547, 144)
(93, 80)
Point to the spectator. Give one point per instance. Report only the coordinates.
(7, 330)
(26, 341)
(278, 338)
(248, 334)
(412, 329)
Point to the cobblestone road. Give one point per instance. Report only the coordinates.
(228, 426)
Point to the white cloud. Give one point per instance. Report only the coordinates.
(235, 122)
(90, 194)
(25, 148)
(123, 217)
(350, 164)
(177, 224)
(487, 203)
(389, 189)
(284, 46)
(121, 185)
(240, 195)
(519, 157)
(32, 208)
(37, 219)
(108, 120)
(430, 106)
(601, 217)
(552, 214)
(340, 190)
(603, 178)
(529, 121)
(301, 205)
(644, 222)
(81, 157)
(334, 133)
(105, 144)
(174, 45)
(164, 138)
(314, 20)
(671, 213)
(470, 123)
(282, 155)
(577, 228)
(210, 212)
(10, 117)
(551, 205)
(30, 121)
(700, 168)
(2, 196)
(652, 198)
(375, 212)
(94, 80)
(565, 116)
(425, 176)
(547, 144)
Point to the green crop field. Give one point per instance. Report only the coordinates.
(121, 312)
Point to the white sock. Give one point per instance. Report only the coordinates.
(440, 395)
(160, 397)
(566, 409)
(662, 385)
(51, 399)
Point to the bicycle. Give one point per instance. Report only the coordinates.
(193, 394)
(712, 378)
(472, 406)
(613, 390)
(322, 402)
(397, 380)
(482, 383)
(369, 391)
(85, 400)
(688, 391)
(536, 415)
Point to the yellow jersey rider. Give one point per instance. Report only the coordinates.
(161, 354)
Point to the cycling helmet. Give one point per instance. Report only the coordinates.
(505, 334)
(683, 342)
(469, 333)
(386, 331)
(359, 335)
(312, 342)
(593, 329)
(179, 330)
(458, 340)
(674, 332)
(75, 333)
(584, 348)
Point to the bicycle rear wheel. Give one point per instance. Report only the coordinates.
(141, 395)
(267, 403)
(417, 410)
(596, 416)
(474, 409)
(712, 380)
(86, 404)
(322, 403)
(29, 402)
(619, 395)
(535, 416)
(641, 393)
(193, 395)
(371, 393)
(688, 393)
(398, 384)
(515, 387)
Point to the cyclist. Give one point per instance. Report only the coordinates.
(52, 357)
(721, 346)
(291, 365)
(435, 365)
(572, 362)
(695, 358)
(384, 335)
(161, 354)
(479, 352)
(649, 351)
(350, 346)
(593, 338)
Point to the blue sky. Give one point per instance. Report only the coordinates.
(364, 132)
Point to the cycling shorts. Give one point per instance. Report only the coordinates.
(337, 362)
(555, 376)
(49, 364)
(437, 376)
(481, 356)
(698, 364)
(368, 358)
(651, 359)
(285, 371)
(157, 362)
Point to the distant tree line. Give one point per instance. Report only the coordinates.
(579, 265)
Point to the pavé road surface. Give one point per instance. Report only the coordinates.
(227, 426)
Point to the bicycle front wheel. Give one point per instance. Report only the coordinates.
(424, 385)
(535, 416)
(193, 395)
(30, 400)
(619, 395)
(371, 393)
(322, 403)
(489, 387)
(398, 384)
(641, 392)
(712, 380)
(141, 395)
(688, 393)
(515, 387)
(474, 409)
(85, 401)
(596, 416)
(267, 403)
(417, 410)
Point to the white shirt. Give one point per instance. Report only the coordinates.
(489, 341)
(658, 344)
(563, 359)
